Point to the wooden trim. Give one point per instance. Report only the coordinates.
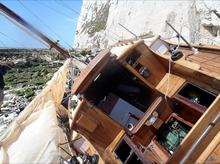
(201, 109)
(147, 114)
(175, 83)
(129, 50)
(136, 150)
(88, 74)
(115, 142)
(132, 70)
(197, 130)
(209, 150)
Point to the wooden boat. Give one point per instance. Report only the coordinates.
(136, 105)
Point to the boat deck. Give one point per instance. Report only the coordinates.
(209, 62)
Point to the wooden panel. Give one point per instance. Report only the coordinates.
(215, 156)
(149, 60)
(105, 132)
(87, 123)
(112, 146)
(88, 74)
(189, 69)
(147, 114)
(159, 154)
(132, 70)
(197, 130)
(137, 151)
(171, 86)
(109, 156)
(209, 61)
(128, 50)
(212, 152)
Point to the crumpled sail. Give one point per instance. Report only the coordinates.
(33, 137)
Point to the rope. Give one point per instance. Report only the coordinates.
(12, 39)
(54, 10)
(2, 43)
(43, 23)
(66, 6)
(169, 67)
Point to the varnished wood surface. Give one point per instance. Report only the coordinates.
(203, 67)
(147, 114)
(104, 129)
(92, 70)
(148, 60)
(209, 61)
(196, 131)
(212, 152)
(171, 86)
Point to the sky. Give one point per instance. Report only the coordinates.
(55, 18)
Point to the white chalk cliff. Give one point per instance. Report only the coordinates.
(98, 25)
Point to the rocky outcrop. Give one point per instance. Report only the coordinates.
(99, 20)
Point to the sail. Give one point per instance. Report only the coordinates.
(34, 136)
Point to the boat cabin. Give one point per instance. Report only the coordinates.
(136, 105)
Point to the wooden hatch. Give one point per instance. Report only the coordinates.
(92, 70)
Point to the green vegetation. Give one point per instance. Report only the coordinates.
(30, 75)
(96, 26)
(80, 53)
(27, 93)
(99, 20)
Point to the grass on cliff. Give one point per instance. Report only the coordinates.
(31, 75)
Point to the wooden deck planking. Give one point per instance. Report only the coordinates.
(209, 62)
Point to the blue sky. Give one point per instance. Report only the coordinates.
(55, 18)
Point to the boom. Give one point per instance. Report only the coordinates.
(15, 18)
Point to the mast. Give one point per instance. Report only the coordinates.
(179, 35)
(15, 18)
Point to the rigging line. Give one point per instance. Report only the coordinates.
(42, 22)
(55, 10)
(202, 35)
(66, 6)
(2, 43)
(21, 44)
(28, 32)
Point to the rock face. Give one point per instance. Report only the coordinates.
(98, 25)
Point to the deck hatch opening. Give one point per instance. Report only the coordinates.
(197, 95)
(171, 134)
(123, 151)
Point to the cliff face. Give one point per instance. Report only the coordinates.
(98, 24)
